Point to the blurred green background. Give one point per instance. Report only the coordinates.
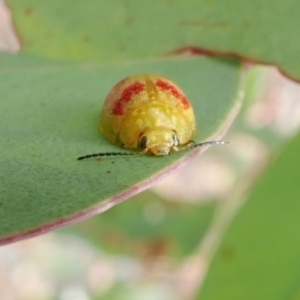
(226, 225)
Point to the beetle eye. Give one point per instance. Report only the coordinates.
(175, 140)
(143, 142)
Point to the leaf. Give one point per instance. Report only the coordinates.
(259, 256)
(49, 116)
(259, 30)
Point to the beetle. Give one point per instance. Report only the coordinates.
(148, 112)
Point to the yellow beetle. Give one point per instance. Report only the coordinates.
(149, 112)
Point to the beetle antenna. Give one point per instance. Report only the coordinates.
(106, 154)
(188, 147)
(192, 146)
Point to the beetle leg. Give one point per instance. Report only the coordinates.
(144, 151)
(174, 148)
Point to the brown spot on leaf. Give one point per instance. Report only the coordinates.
(190, 23)
(228, 252)
(152, 248)
(28, 11)
(86, 38)
(197, 23)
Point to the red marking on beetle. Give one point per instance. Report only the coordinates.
(174, 91)
(114, 91)
(126, 96)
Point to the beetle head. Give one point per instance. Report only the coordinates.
(159, 141)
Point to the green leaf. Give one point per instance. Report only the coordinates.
(147, 226)
(261, 30)
(259, 256)
(49, 115)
